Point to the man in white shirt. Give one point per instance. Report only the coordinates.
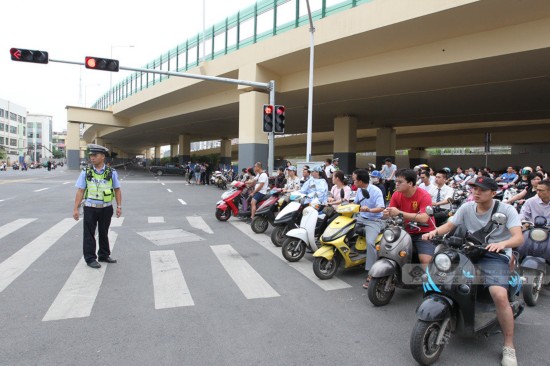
(440, 192)
(425, 181)
(329, 168)
(260, 189)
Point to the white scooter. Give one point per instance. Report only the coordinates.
(312, 225)
(287, 219)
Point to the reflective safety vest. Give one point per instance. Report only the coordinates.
(99, 186)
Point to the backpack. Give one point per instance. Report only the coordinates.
(197, 168)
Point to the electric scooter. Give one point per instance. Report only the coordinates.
(288, 218)
(265, 212)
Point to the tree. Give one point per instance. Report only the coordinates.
(3, 154)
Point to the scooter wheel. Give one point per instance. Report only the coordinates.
(325, 269)
(423, 347)
(223, 215)
(293, 249)
(377, 293)
(259, 224)
(278, 235)
(531, 291)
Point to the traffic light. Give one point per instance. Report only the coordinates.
(38, 57)
(280, 119)
(99, 63)
(267, 121)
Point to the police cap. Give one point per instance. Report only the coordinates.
(98, 149)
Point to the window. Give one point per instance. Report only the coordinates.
(30, 135)
(1, 141)
(1, 127)
(13, 142)
(13, 116)
(13, 129)
(1, 113)
(18, 118)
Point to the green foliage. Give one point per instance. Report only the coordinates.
(58, 154)
(3, 154)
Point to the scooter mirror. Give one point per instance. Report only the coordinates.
(499, 218)
(540, 221)
(430, 210)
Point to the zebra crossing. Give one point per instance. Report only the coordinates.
(77, 297)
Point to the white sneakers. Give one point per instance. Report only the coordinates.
(509, 357)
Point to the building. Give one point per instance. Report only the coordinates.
(13, 140)
(58, 141)
(39, 136)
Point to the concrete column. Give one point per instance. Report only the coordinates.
(252, 140)
(417, 156)
(73, 145)
(345, 141)
(184, 154)
(385, 145)
(148, 157)
(157, 155)
(225, 153)
(173, 151)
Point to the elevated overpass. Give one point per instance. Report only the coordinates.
(389, 74)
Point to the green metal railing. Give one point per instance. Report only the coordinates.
(265, 19)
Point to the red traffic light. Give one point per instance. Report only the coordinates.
(280, 110)
(268, 109)
(24, 55)
(99, 63)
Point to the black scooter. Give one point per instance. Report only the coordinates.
(455, 300)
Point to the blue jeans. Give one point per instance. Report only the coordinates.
(372, 229)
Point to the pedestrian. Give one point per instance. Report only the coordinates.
(97, 184)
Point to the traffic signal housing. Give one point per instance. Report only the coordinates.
(100, 63)
(267, 118)
(24, 55)
(279, 119)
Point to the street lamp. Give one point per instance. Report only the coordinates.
(310, 90)
(111, 74)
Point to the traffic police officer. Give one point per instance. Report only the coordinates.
(97, 184)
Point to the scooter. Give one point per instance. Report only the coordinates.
(534, 267)
(265, 212)
(337, 240)
(233, 202)
(312, 224)
(398, 264)
(287, 218)
(219, 179)
(455, 300)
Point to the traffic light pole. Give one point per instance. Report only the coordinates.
(268, 87)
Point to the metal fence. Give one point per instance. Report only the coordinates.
(265, 19)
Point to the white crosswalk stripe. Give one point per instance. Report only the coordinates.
(252, 285)
(304, 266)
(116, 221)
(7, 229)
(77, 297)
(199, 223)
(155, 219)
(15, 265)
(170, 288)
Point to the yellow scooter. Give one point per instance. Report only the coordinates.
(337, 240)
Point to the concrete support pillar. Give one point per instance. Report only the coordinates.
(73, 145)
(385, 145)
(252, 140)
(417, 156)
(148, 157)
(173, 151)
(184, 154)
(345, 140)
(225, 153)
(157, 155)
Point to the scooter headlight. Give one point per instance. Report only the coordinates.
(391, 234)
(538, 235)
(442, 262)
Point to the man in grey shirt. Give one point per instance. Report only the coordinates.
(538, 205)
(474, 216)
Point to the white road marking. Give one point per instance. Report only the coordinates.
(169, 190)
(77, 297)
(67, 182)
(116, 221)
(15, 265)
(155, 219)
(163, 184)
(41, 189)
(7, 229)
(252, 285)
(304, 266)
(199, 223)
(169, 237)
(182, 201)
(169, 284)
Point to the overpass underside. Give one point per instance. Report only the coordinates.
(387, 76)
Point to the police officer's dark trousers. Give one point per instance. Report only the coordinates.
(100, 218)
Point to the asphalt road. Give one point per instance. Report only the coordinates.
(189, 290)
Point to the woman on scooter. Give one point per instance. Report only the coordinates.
(292, 182)
(529, 191)
(317, 185)
(338, 184)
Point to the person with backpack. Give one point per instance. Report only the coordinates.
(197, 171)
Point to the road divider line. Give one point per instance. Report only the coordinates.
(199, 223)
(304, 266)
(169, 190)
(9, 228)
(182, 201)
(77, 297)
(251, 284)
(163, 184)
(67, 182)
(15, 265)
(170, 288)
(41, 189)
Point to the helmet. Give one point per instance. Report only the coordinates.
(292, 167)
(447, 169)
(526, 170)
(375, 174)
(317, 169)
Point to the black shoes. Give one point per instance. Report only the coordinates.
(108, 260)
(94, 264)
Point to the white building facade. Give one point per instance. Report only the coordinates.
(13, 140)
(39, 137)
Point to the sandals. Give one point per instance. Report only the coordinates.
(367, 283)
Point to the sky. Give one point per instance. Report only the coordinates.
(70, 30)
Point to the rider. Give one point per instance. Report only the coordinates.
(370, 216)
(440, 193)
(338, 180)
(375, 181)
(316, 184)
(475, 216)
(260, 189)
(508, 177)
(533, 207)
(411, 202)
